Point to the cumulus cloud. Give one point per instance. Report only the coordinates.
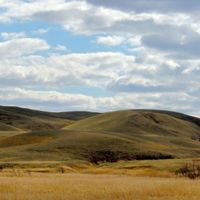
(57, 101)
(21, 46)
(167, 6)
(9, 36)
(92, 69)
(41, 31)
(188, 44)
(83, 17)
(143, 22)
(145, 75)
(159, 66)
(112, 71)
(61, 48)
(110, 40)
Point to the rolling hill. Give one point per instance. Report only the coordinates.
(29, 120)
(126, 134)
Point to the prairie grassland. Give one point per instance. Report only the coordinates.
(149, 168)
(76, 186)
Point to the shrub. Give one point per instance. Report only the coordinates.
(190, 170)
(61, 170)
(103, 156)
(6, 165)
(152, 156)
(110, 156)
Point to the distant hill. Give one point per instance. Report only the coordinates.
(146, 122)
(27, 119)
(78, 135)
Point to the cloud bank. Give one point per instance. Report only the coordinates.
(146, 56)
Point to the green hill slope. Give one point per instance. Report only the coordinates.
(123, 133)
(142, 122)
(29, 120)
(76, 115)
(6, 127)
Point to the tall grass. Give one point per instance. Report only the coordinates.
(96, 187)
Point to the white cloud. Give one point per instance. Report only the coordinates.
(41, 31)
(167, 6)
(161, 69)
(110, 40)
(92, 69)
(82, 17)
(107, 70)
(152, 27)
(11, 35)
(61, 48)
(22, 46)
(57, 101)
(137, 83)
(134, 40)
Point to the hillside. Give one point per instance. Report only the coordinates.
(15, 118)
(122, 133)
(142, 122)
(75, 115)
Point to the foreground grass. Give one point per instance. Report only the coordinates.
(133, 180)
(90, 187)
(153, 168)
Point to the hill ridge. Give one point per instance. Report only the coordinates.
(124, 133)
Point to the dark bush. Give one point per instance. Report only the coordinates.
(152, 156)
(184, 170)
(103, 156)
(196, 138)
(61, 170)
(190, 170)
(5, 166)
(125, 156)
(110, 156)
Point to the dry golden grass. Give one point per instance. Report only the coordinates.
(95, 187)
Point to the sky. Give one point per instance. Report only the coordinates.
(100, 55)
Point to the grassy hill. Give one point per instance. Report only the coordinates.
(126, 134)
(142, 122)
(75, 115)
(15, 118)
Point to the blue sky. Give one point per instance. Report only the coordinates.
(62, 55)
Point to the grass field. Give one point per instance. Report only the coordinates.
(94, 187)
(133, 180)
(153, 168)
